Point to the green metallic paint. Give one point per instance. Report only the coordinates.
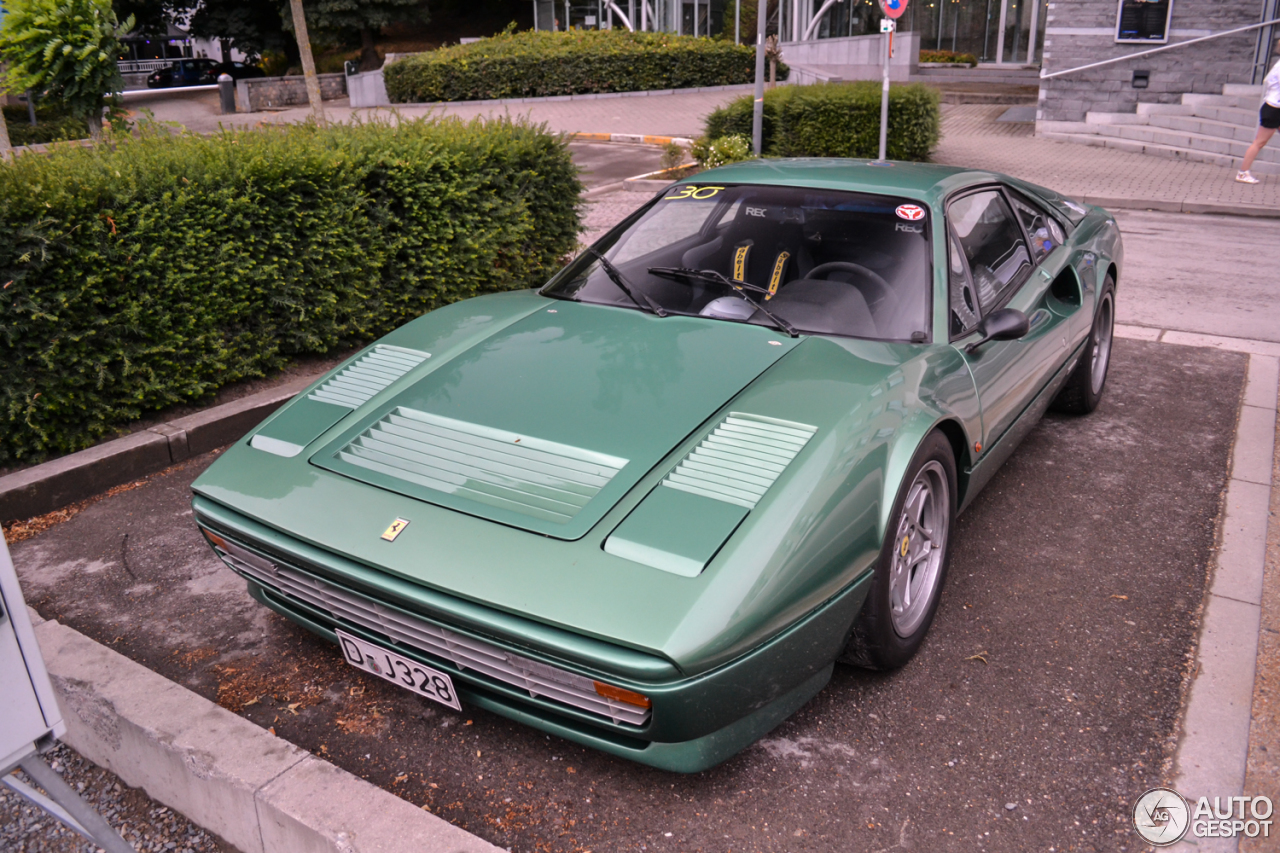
(776, 600)
(658, 532)
(635, 384)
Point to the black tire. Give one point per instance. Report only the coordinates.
(886, 633)
(1083, 390)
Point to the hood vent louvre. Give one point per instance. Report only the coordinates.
(740, 459)
(368, 375)
(530, 476)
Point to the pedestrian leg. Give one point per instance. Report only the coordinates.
(1264, 136)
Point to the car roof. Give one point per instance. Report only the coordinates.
(922, 181)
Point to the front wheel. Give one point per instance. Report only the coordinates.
(1083, 390)
(913, 563)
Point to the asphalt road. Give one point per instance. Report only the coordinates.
(1210, 274)
(1043, 703)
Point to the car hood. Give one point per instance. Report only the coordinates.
(547, 423)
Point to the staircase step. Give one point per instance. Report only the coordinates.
(1114, 118)
(1230, 115)
(1260, 167)
(1164, 110)
(1182, 140)
(1242, 90)
(1208, 127)
(1229, 101)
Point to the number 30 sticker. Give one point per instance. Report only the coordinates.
(910, 212)
(690, 191)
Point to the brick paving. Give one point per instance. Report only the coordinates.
(1083, 170)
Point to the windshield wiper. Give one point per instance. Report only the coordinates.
(739, 287)
(616, 277)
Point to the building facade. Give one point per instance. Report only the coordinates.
(1082, 32)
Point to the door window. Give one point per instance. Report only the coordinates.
(992, 244)
(1043, 230)
(964, 302)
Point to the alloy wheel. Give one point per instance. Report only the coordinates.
(919, 548)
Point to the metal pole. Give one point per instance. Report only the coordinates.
(757, 115)
(884, 90)
(986, 34)
(1035, 24)
(942, 5)
(60, 792)
(737, 21)
(1004, 14)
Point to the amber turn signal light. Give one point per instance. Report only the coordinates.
(617, 694)
(216, 540)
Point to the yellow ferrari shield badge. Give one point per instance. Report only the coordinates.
(394, 530)
(906, 545)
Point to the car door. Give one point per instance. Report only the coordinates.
(992, 265)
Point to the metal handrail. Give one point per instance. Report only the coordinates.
(1129, 56)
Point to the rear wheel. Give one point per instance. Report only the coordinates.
(1083, 390)
(913, 563)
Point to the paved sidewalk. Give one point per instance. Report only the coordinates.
(1083, 170)
(971, 136)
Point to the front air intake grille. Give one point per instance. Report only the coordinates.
(464, 652)
(358, 382)
(527, 475)
(740, 459)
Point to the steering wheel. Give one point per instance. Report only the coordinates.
(884, 291)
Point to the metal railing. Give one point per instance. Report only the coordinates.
(1163, 47)
(142, 66)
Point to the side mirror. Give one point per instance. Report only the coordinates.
(1007, 324)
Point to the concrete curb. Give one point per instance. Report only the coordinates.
(255, 790)
(1174, 206)
(1213, 751)
(76, 476)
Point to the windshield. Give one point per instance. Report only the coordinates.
(821, 262)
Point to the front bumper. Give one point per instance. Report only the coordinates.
(694, 723)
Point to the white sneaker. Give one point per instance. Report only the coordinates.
(1246, 178)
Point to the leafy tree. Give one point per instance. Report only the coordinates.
(152, 17)
(65, 49)
(250, 27)
(361, 17)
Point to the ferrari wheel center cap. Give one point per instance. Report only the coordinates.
(906, 542)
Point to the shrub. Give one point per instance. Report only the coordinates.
(52, 125)
(153, 271)
(718, 152)
(948, 56)
(836, 120)
(538, 63)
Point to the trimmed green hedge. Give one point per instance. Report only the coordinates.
(536, 64)
(52, 125)
(152, 271)
(837, 120)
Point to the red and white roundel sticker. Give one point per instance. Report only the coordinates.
(910, 212)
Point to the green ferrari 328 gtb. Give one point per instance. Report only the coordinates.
(648, 507)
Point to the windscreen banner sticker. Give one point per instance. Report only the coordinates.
(779, 267)
(690, 191)
(910, 212)
(740, 256)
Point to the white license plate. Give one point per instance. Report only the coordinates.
(407, 673)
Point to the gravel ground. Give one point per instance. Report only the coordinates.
(144, 823)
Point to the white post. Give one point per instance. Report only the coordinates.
(886, 26)
(1035, 24)
(757, 116)
(1004, 15)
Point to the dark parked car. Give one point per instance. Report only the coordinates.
(184, 72)
(237, 70)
